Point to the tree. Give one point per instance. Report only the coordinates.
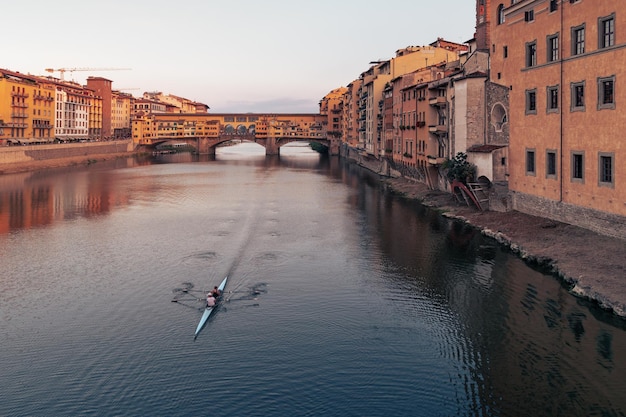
(459, 169)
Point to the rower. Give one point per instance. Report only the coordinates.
(210, 300)
(216, 292)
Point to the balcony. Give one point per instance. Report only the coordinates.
(438, 101)
(438, 129)
(433, 160)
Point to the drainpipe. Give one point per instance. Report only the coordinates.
(562, 94)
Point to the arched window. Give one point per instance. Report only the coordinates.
(498, 117)
(501, 14)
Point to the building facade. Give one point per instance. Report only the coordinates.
(563, 63)
(26, 109)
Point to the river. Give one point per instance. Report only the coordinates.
(343, 299)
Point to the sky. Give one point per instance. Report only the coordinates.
(279, 56)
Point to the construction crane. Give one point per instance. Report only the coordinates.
(62, 71)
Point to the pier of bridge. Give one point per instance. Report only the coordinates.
(271, 144)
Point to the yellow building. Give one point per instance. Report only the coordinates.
(121, 108)
(95, 115)
(563, 62)
(26, 109)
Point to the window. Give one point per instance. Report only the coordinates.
(606, 93)
(500, 19)
(606, 31)
(605, 170)
(553, 99)
(505, 51)
(498, 117)
(531, 54)
(578, 96)
(551, 164)
(553, 48)
(531, 101)
(553, 5)
(578, 40)
(530, 162)
(578, 167)
(529, 15)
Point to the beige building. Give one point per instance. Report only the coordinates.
(71, 122)
(377, 77)
(563, 62)
(178, 104)
(350, 114)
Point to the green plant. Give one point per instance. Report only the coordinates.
(459, 169)
(318, 147)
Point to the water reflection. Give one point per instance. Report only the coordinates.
(530, 347)
(460, 326)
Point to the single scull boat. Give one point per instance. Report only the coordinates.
(209, 310)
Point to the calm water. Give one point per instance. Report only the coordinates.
(343, 300)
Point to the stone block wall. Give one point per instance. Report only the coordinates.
(597, 221)
(23, 154)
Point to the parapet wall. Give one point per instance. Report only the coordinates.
(30, 153)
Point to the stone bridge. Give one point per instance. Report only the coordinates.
(272, 145)
(206, 131)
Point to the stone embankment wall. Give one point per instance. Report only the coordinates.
(600, 222)
(31, 153)
(378, 166)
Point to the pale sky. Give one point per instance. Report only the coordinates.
(233, 55)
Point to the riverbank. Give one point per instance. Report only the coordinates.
(62, 162)
(593, 266)
(15, 159)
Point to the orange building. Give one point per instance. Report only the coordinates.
(563, 62)
(331, 106)
(103, 88)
